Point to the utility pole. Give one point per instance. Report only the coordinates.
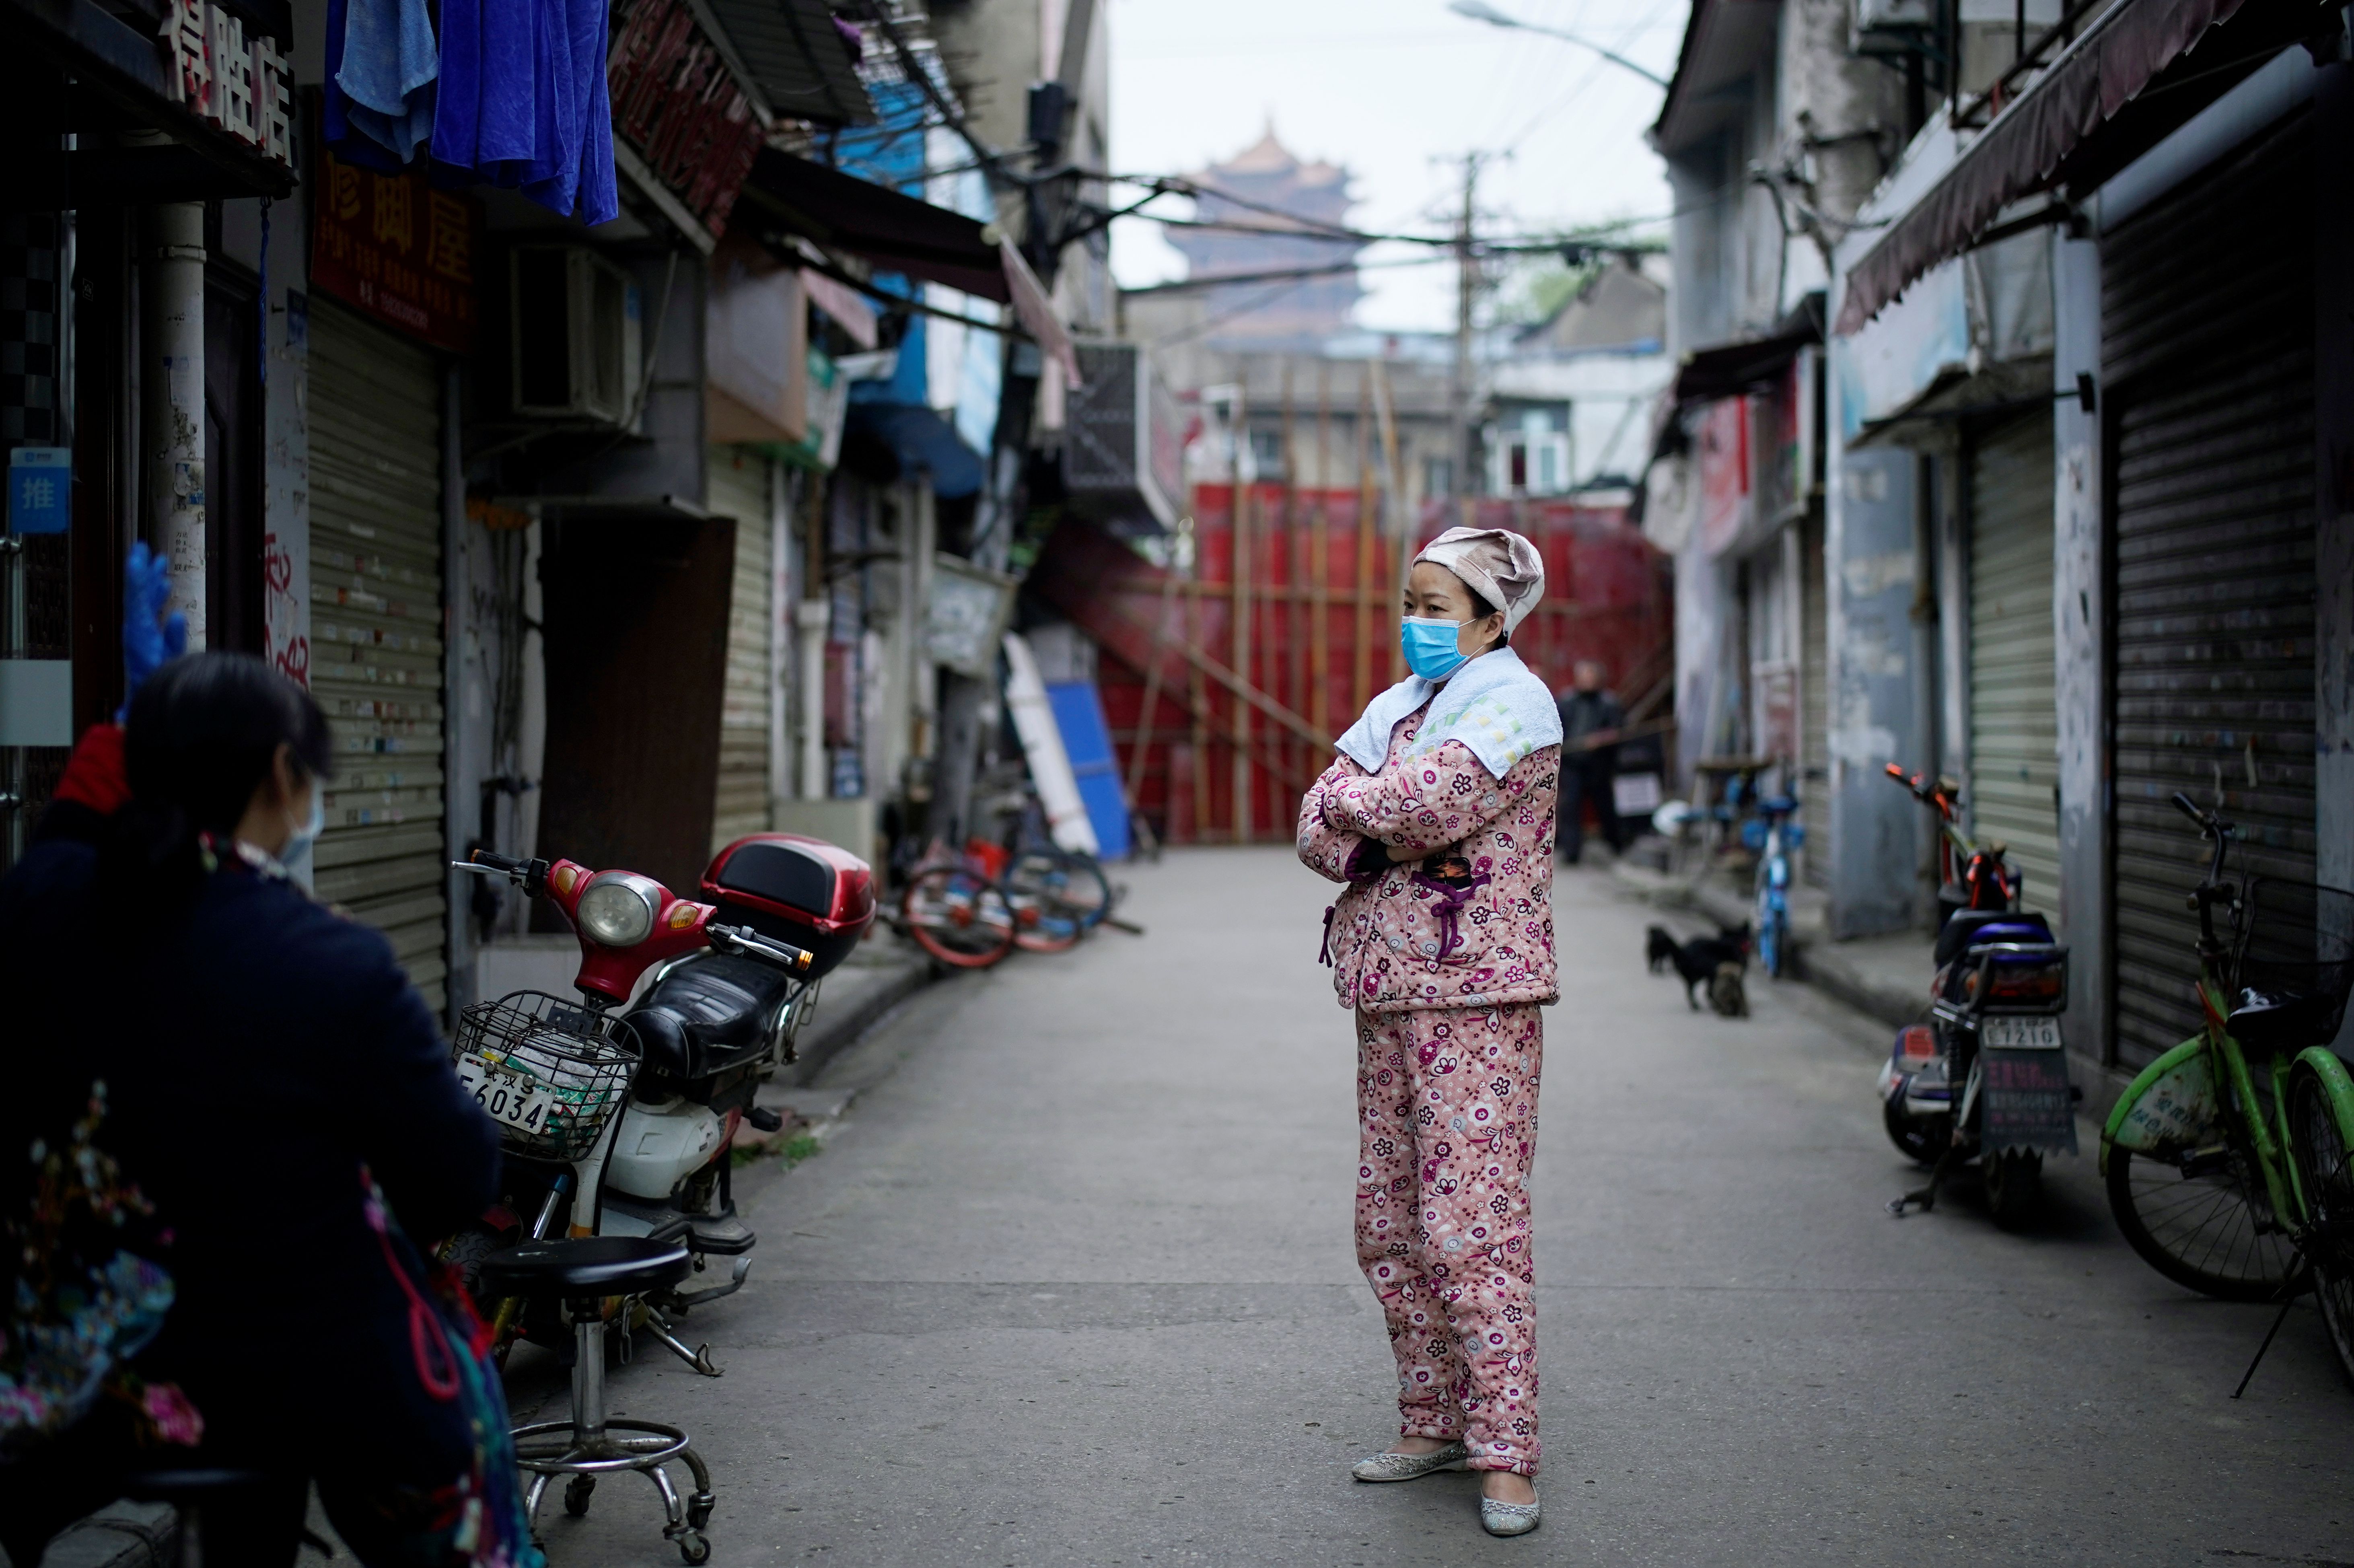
(1459, 381)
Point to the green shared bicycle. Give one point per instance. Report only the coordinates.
(2226, 1159)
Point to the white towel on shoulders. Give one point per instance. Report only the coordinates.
(1495, 705)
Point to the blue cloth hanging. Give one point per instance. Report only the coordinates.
(523, 102)
(386, 69)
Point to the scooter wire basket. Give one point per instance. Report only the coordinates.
(549, 1072)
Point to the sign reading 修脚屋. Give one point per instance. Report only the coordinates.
(398, 250)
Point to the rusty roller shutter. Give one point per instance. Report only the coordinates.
(2014, 714)
(737, 487)
(2207, 330)
(1814, 701)
(376, 630)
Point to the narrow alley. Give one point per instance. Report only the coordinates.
(1072, 1282)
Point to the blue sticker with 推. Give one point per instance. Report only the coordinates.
(40, 489)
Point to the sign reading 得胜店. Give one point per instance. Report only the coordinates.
(398, 250)
(675, 103)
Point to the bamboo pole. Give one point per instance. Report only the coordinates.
(1285, 645)
(1240, 588)
(1145, 716)
(1362, 688)
(1396, 500)
(1319, 633)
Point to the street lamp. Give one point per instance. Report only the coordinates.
(1479, 11)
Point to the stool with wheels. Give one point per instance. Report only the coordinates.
(582, 1273)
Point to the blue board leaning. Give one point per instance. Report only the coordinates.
(1080, 715)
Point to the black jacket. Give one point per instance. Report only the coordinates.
(258, 1053)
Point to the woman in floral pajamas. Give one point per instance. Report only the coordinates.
(1438, 816)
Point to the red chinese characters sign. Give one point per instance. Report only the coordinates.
(675, 103)
(398, 250)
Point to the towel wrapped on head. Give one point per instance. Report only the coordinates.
(1498, 564)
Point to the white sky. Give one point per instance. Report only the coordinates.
(1396, 90)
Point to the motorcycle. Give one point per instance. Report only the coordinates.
(1985, 1079)
(617, 1116)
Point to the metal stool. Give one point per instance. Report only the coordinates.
(581, 1273)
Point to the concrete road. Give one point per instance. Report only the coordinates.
(1074, 1284)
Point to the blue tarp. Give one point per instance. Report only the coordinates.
(1086, 738)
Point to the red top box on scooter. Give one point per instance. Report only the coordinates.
(796, 889)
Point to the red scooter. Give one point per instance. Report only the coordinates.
(617, 1116)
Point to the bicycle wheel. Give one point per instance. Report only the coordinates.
(2322, 1171)
(2198, 1229)
(1059, 897)
(1773, 940)
(1043, 923)
(959, 916)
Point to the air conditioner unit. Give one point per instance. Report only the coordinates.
(1124, 448)
(1891, 27)
(575, 335)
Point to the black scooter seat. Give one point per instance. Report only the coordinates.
(1978, 928)
(709, 1014)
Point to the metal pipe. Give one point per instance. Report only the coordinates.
(587, 1378)
(173, 285)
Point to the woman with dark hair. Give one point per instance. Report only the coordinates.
(281, 1094)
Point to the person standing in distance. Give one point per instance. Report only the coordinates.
(1591, 719)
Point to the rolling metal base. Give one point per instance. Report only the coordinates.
(589, 1445)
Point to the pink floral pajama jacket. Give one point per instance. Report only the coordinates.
(1444, 960)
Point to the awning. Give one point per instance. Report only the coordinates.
(895, 232)
(797, 58)
(1738, 368)
(2087, 87)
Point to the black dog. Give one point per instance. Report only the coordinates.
(1698, 961)
(1659, 949)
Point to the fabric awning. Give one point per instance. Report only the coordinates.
(1737, 367)
(897, 233)
(2091, 80)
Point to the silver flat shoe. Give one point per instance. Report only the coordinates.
(1406, 1467)
(1507, 1518)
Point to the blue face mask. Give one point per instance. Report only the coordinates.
(299, 843)
(1430, 646)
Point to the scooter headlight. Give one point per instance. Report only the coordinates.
(617, 910)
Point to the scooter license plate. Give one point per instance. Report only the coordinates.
(511, 1099)
(2001, 1033)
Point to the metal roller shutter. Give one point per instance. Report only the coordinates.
(2207, 327)
(1814, 702)
(737, 487)
(376, 632)
(2014, 714)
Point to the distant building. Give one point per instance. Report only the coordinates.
(1570, 396)
(1298, 312)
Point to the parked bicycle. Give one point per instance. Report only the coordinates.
(2231, 1178)
(1772, 835)
(1058, 894)
(958, 909)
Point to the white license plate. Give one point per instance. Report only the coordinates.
(2019, 1033)
(511, 1099)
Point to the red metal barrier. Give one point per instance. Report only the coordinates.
(1260, 669)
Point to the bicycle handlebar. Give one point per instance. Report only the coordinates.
(745, 942)
(2212, 889)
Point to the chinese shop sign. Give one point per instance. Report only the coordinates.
(237, 80)
(398, 249)
(675, 103)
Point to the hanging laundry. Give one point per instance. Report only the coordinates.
(523, 102)
(385, 70)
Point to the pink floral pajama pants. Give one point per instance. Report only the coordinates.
(1446, 1102)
